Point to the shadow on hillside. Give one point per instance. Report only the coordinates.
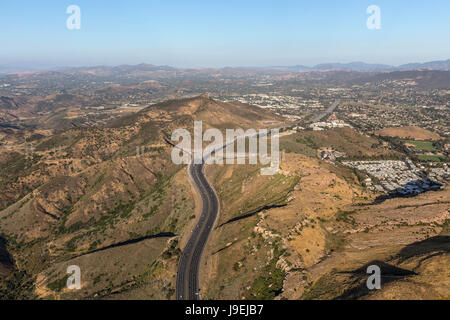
(434, 246)
(7, 263)
(411, 189)
(424, 249)
(128, 242)
(252, 213)
(358, 279)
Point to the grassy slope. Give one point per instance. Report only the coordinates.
(326, 230)
(86, 190)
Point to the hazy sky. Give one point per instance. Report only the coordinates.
(217, 33)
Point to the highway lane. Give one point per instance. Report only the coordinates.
(326, 112)
(187, 287)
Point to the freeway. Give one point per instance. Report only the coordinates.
(326, 112)
(187, 287)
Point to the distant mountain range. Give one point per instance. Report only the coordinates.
(353, 66)
(443, 65)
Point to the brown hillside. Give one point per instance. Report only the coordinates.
(312, 233)
(411, 132)
(106, 198)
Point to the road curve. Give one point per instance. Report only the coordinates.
(187, 287)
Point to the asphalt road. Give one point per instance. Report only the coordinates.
(326, 112)
(187, 276)
(188, 267)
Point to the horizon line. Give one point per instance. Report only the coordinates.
(37, 68)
